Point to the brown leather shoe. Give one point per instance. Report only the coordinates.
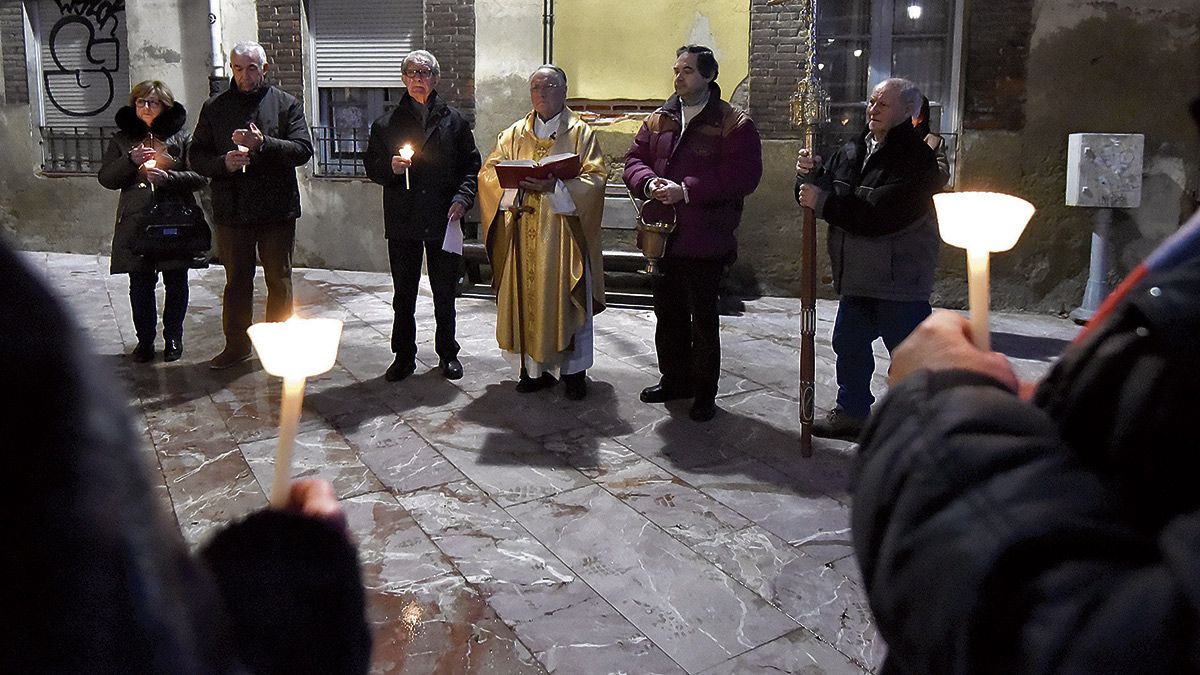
(838, 424)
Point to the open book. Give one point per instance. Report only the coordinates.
(562, 166)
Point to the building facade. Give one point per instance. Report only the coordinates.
(1008, 79)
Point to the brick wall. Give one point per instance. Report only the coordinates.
(450, 36)
(279, 34)
(775, 44)
(12, 51)
(997, 51)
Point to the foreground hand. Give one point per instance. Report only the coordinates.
(809, 195)
(140, 154)
(235, 160)
(156, 176)
(315, 498)
(400, 165)
(666, 191)
(456, 212)
(539, 184)
(251, 138)
(943, 342)
(806, 162)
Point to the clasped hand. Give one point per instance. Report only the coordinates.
(665, 191)
(943, 342)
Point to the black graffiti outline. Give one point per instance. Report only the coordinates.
(99, 10)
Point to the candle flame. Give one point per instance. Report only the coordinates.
(406, 151)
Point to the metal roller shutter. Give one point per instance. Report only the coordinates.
(84, 64)
(360, 43)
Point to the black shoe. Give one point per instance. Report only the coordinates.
(229, 357)
(660, 394)
(451, 368)
(143, 352)
(576, 384)
(399, 370)
(703, 410)
(527, 384)
(838, 424)
(173, 350)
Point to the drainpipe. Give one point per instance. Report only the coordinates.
(217, 79)
(547, 31)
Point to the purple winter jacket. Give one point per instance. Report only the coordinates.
(718, 159)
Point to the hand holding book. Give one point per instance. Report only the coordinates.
(563, 166)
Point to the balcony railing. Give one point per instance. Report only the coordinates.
(339, 152)
(74, 150)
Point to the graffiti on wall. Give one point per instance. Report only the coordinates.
(85, 50)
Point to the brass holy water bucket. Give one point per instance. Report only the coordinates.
(652, 237)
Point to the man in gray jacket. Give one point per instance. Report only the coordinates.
(249, 141)
(877, 196)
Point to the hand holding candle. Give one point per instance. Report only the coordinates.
(149, 164)
(406, 154)
(982, 223)
(294, 350)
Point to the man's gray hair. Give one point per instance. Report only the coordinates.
(251, 49)
(562, 74)
(910, 94)
(423, 56)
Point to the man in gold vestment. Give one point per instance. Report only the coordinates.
(547, 267)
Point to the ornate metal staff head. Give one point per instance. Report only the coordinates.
(810, 101)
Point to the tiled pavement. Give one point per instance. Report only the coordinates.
(506, 533)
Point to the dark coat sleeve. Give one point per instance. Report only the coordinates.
(182, 178)
(470, 162)
(293, 147)
(116, 171)
(203, 155)
(988, 547)
(378, 157)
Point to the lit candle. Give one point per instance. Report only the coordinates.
(406, 153)
(242, 148)
(982, 223)
(150, 164)
(294, 350)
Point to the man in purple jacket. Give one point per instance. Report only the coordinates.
(696, 158)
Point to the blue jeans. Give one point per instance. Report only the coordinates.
(145, 306)
(859, 321)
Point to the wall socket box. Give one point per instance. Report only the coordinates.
(1105, 170)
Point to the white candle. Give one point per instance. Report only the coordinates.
(150, 164)
(406, 153)
(242, 148)
(982, 223)
(295, 349)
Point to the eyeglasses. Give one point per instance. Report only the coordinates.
(147, 103)
(419, 74)
(548, 87)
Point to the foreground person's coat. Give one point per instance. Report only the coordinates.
(1060, 536)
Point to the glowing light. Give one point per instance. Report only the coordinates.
(914, 11)
(857, 53)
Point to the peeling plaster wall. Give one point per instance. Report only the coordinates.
(1123, 66)
(508, 42)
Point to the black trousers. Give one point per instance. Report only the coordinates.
(688, 333)
(144, 306)
(444, 271)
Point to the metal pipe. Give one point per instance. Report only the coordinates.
(216, 77)
(547, 31)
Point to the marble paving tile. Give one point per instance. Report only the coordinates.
(400, 457)
(209, 488)
(319, 453)
(392, 549)
(442, 625)
(797, 653)
(695, 614)
(511, 467)
(836, 609)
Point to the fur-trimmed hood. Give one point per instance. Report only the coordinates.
(166, 125)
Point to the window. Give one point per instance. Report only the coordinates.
(81, 79)
(357, 48)
(863, 42)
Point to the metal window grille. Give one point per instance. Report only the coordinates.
(74, 150)
(339, 152)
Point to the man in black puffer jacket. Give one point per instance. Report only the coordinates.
(877, 196)
(1061, 535)
(249, 141)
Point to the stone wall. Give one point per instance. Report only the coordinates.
(12, 51)
(450, 35)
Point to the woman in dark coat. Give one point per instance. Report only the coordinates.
(150, 128)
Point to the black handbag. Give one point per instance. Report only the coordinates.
(173, 231)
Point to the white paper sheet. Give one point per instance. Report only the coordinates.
(453, 243)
